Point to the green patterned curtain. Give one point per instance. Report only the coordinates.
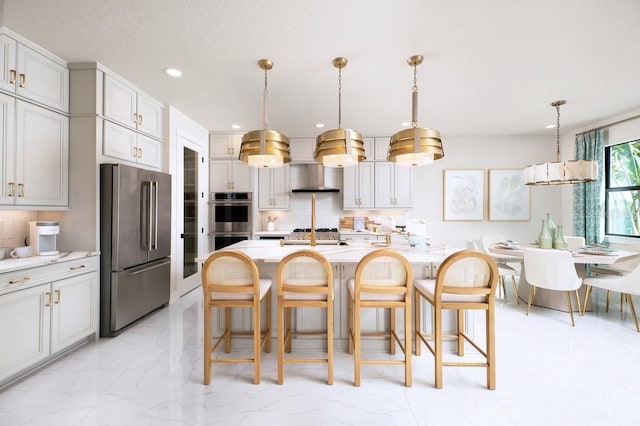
(588, 201)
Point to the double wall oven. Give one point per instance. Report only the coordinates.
(230, 218)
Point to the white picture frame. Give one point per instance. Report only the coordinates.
(509, 197)
(463, 195)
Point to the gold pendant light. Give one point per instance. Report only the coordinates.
(265, 148)
(417, 146)
(339, 147)
(560, 172)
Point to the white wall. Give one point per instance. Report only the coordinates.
(460, 153)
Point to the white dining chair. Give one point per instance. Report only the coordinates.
(504, 270)
(552, 270)
(627, 285)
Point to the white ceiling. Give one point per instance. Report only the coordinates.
(491, 67)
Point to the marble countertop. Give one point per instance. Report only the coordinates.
(272, 251)
(16, 264)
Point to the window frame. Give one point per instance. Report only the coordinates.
(609, 190)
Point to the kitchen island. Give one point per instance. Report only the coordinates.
(344, 259)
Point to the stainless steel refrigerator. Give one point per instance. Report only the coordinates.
(135, 244)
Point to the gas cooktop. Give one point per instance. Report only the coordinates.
(321, 234)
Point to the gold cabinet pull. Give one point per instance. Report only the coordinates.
(12, 78)
(135, 117)
(19, 281)
(135, 152)
(139, 122)
(139, 152)
(12, 189)
(21, 190)
(48, 296)
(23, 80)
(57, 293)
(73, 268)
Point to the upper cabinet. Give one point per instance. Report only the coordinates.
(229, 176)
(29, 73)
(393, 186)
(225, 146)
(381, 149)
(358, 186)
(126, 144)
(35, 155)
(274, 188)
(130, 107)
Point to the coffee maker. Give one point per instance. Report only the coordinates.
(42, 237)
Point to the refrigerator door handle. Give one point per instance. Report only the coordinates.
(155, 226)
(149, 216)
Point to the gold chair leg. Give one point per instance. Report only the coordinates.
(287, 330)
(608, 298)
(587, 292)
(570, 308)
(515, 289)
(633, 311)
(621, 304)
(350, 321)
(578, 302)
(267, 345)
(531, 290)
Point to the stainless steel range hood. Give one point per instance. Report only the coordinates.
(313, 179)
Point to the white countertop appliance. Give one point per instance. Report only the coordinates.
(42, 237)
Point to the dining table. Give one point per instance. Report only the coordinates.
(582, 257)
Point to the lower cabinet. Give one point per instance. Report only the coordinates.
(43, 320)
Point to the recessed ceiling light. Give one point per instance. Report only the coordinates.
(235, 126)
(405, 124)
(173, 72)
(550, 126)
(319, 125)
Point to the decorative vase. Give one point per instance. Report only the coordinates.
(544, 239)
(551, 226)
(559, 242)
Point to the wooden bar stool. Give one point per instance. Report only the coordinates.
(383, 280)
(230, 279)
(466, 280)
(304, 279)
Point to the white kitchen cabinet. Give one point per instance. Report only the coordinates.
(126, 144)
(130, 107)
(33, 75)
(302, 150)
(274, 188)
(369, 148)
(393, 186)
(229, 176)
(25, 318)
(44, 310)
(74, 310)
(225, 146)
(358, 186)
(35, 155)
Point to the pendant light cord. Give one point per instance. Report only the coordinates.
(557, 131)
(414, 98)
(340, 98)
(264, 102)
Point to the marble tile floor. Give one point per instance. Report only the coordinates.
(547, 373)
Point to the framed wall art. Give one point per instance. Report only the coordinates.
(463, 195)
(509, 197)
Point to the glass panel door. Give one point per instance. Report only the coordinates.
(190, 212)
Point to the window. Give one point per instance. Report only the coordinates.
(622, 189)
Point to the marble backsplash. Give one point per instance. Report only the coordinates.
(14, 227)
